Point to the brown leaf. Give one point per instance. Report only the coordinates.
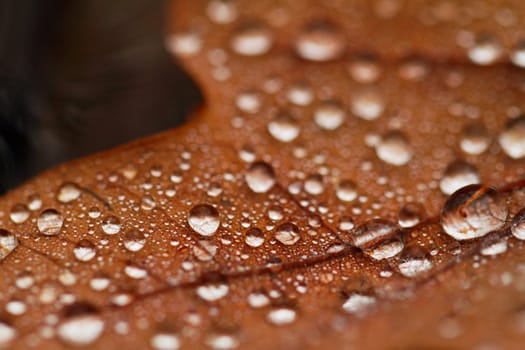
(305, 206)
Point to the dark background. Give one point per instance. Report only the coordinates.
(81, 76)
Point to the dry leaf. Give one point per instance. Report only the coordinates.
(312, 202)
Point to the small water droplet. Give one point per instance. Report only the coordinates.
(413, 262)
(320, 42)
(222, 342)
(82, 325)
(284, 127)
(19, 213)
(8, 243)
(346, 191)
(147, 203)
(258, 300)
(204, 219)
(314, 184)
(99, 282)
(494, 247)
(84, 250)
(300, 94)
(254, 237)
(205, 250)
(7, 333)
(134, 240)
(378, 238)
(329, 115)
(518, 225)
(367, 105)
(213, 292)
(260, 177)
(474, 139)
(512, 139)
(221, 12)
(473, 211)
(458, 174)
(50, 222)
(518, 55)
(135, 271)
(184, 44)
(410, 214)
(358, 303)
(111, 225)
(287, 233)
(34, 202)
(68, 192)
(164, 340)
(393, 148)
(252, 39)
(365, 69)
(281, 316)
(485, 51)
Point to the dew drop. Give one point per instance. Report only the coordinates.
(253, 39)
(458, 174)
(284, 127)
(68, 192)
(204, 219)
(221, 12)
(111, 225)
(494, 247)
(281, 316)
(7, 333)
(330, 115)
(393, 148)
(222, 342)
(82, 325)
(34, 202)
(485, 51)
(367, 105)
(518, 55)
(378, 238)
(19, 213)
(365, 70)
(474, 139)
(512, 139)
(287, 233)
(260, 177)
(8, 243)
(84, 250)
(258, 300)
(320, 42)
(346, 191)
(314, 184)
(184, 44)
(300, 94)
(50, 222)
(414, 262)
(213, 292)
(165, 341)
(147, 203)
(254, 237)
(134, 240)
(135, 271)
(205, 250)
(249, 102)
(410, 214)
(358, 303)
(473, 211)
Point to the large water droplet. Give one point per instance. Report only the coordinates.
(111, 225)
(84, 250)
(512, 139)
(473, 211)
(287, 233)
(260, 177)
(50, 222)
(254, 237)
(474, 139)
(252, 39)
(68, 192)
(82, 325)
(458, 174)
(284, 127)
(320, 41)
(330, 115)
(19, 213)
(393, 148)
(204, 219)
(8, 243)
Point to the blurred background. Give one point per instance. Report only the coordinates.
(82, 76)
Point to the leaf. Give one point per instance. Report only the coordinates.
(261, 222)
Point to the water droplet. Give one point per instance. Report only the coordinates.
(7, 333)
(410, 214)
(254, 237)
(165, 341)
(84, 250)
(222, 342)
(494, 247)
(458, 174)
(221, 12)
(19, 213)
(512, 139)
(358, 303)
(205, 250)
(518, 225)
(365, 70)
(135, 271)
(346, 191)
(485, 51)
(260, 177)
(275, 213)
(414, 262)
(82, 325)
(330, 115)
(393, 148)
(147, 203)
(281, 316)
(204, 219)
(111, 225)
(287, 233)
(320, 41)
(413, 69)
(258, 300)
(68, 192)
(94, 212)
(34, 202)
(184, 44)
(50, 222)
(25, 280)
(378, 238)
(8, 243)
(212, 292)
(518, 55)
(314, 184)
(346, 223)
(473, 211)
(300, 94)
(249, 102)
(385, 249)
(252, 39)
(16, 307)
(367, 105)
(284, 127)
(474, 139)
(99, 282)
(134, 240)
